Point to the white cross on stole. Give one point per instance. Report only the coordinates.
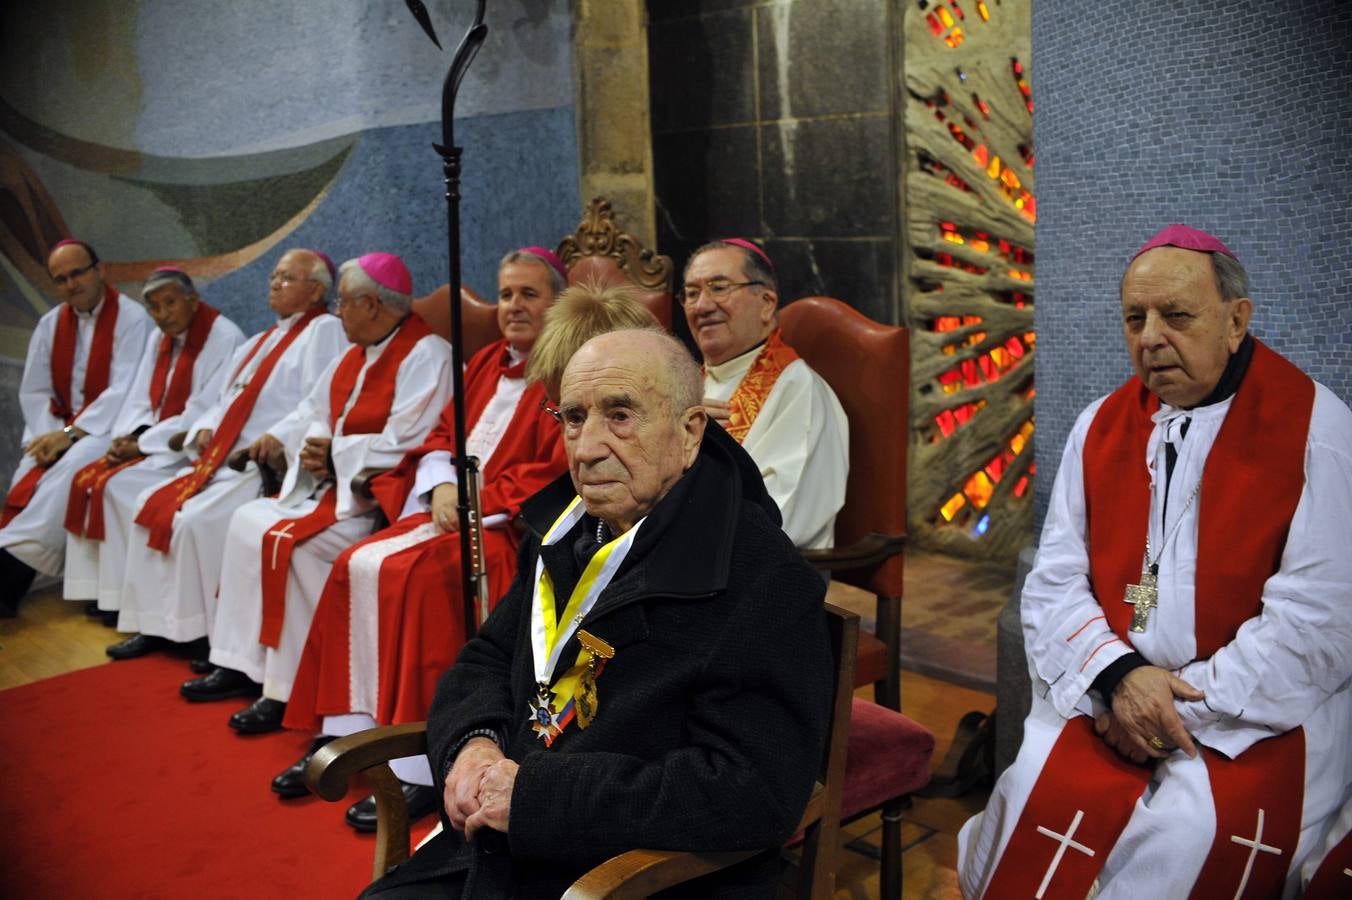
(278, 534)
(1065, 841)
(1254, 846)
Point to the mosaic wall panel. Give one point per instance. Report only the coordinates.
(1232, 117)
(970, 211)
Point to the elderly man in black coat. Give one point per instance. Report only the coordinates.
(658, 674)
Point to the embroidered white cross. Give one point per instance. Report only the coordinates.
(1065, 841)
(283, 532)
(1254, 846)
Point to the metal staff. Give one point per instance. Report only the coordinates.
(466, 468)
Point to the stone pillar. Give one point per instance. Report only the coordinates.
(614, 135)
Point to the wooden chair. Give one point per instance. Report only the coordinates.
(599, 250)
(480, 319)
(867, 364)
(637, 873)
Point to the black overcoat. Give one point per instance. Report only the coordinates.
(711, 717)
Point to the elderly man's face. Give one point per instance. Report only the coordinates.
(735, 322)
(626, 447)
(77, 277)
(291, 290)
(357, 311)
(1179, 333)
(171, 308)
(524, 293)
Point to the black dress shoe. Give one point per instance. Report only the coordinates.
(219, 685)
(92, 609)
(136, 645)
(420, 799)
(291, 781)
(109, 617)
(262, 716)
(201, 666)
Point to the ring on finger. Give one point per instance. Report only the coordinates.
(1156, 742)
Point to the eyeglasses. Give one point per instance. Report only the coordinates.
(718, 290)
(552, 411)
(285, 279)
(63, 280)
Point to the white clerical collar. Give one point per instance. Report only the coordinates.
(93, 312)
(735, 369)
(514, 356)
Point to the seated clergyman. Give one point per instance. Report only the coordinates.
(658, 673)
(1188, 620)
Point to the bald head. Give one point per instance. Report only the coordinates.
(299, 280)
(632, 423)
(78, 275)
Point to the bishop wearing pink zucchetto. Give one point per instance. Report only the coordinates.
(1188, 620)
(766, 397)
(370, 406)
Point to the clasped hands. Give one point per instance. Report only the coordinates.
(478, 789)
(123, 448)
(1142, 709)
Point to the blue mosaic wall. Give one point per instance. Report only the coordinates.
(1232, 117)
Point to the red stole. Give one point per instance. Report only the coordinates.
(367, 416)
(157, 514)
(1333, 879)
(97, 371)
(86, 488)
(1251, 484)
(746, 401)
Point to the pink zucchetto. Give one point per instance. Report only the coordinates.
(1186, 238)
(387, 270)
(328, 264)
(748, 245)
(548, 256)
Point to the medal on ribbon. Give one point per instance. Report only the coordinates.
(555, 702)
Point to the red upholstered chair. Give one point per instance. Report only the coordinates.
(598, 250)
(867, 364)
(480, 319)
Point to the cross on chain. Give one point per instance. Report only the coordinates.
(283, 532)
(1254, 846)
(1065, 841)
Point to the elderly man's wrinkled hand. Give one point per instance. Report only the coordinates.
(460, 795)
(122, 448)
(445, 514)
(495, 799)
(314, 457)
(47, 448)
(268, 451)
(1115, 736)
(1143, 706)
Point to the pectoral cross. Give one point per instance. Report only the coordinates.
(1143, 597)
(278, 534)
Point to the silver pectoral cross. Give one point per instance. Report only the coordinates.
(1144, 597)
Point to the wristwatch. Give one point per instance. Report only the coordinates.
(70, 432)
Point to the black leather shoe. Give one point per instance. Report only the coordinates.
(291, 781)
(136, 645)
(109, 617)
(262, 716)
(421, 800)
(92, 609)
(219, 685)
(201, 666)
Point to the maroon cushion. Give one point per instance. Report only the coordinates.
(888, 757)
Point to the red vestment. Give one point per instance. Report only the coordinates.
(420, 612)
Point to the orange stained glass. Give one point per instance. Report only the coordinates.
(1021, 486)
(935, 25)
(1015, 347)
(1010, 179)
(993, 170)
(999, 357)
(949, 509)
(953, 237)
(1030, 338)
(1016, 443)
(947, 422)
(978, 244)
(979, 489)
(945, 16)
(981, 155)
(955, 37)
(957, 9)
(983, 11)
(971, 320)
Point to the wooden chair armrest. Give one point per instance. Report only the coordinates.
(361, 482)
(869, 550)
(330, 772)
(642, 873)
(176, 441)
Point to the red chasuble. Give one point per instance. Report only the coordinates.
(368, 415)
(421, 620)
(1250, 489)
(746, 401)
(86, 489)
(157, 514)
(97, 371)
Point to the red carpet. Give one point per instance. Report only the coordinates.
(114, 786)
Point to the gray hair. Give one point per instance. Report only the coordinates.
(753, 267)
(361, 283)
(165, 277)
(684, 379)
(557, 283)
(1231, 279)
(319, 272)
